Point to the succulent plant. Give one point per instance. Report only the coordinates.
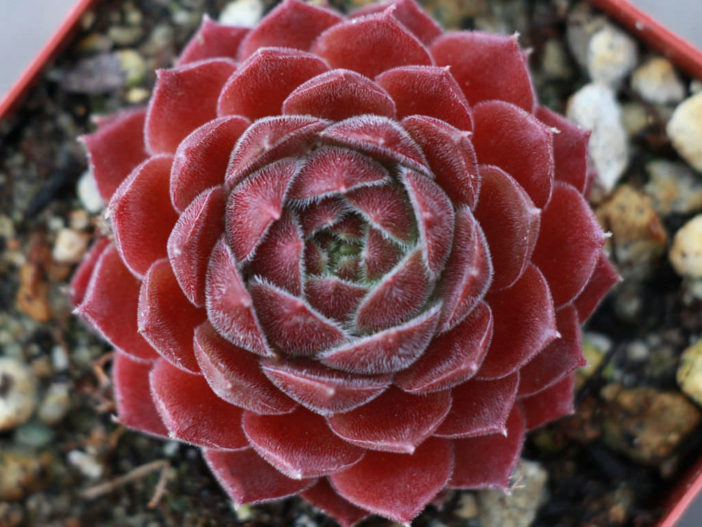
(349, 258)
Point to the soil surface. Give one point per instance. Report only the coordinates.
(65, 462)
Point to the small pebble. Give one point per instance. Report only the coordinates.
(18, 393)
(79, 220)
(555, 64)
(517, 509)
(21, 472)
(695, 86)
(33, 434)
(70, 246)
(595, 108)
(635, 118)
(673, 187)
(85, 463)
(467, 507)
(56, 404)
(685, 130)
(88, 193)
(611, 55)
(125, 36)
(646, 424)
(244, 13)
(689, 372)
(638, 234)
(657, 82)
(137, 94)
(686, 253)
(133, 66)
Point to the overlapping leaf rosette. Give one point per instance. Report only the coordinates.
(349, 258)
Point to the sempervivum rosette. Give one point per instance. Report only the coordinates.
(349, 258)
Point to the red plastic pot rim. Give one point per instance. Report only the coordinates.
(18, 89)
(644, 26)
(680, 51)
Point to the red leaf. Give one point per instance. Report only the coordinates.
(292, 24)
(135, 407)
(324, 497)
(292, 326)
(480, 408)
(115, 149)
(172, 115)
(234, 374)
(525, 323)
(566, 260)
(495, 68)
(247, 478)
(254, 205)
(323, 390)
(385, 351)
(167, 320)
(549, 404)
(396, 421)
(339, 94)
(229, 305)
(299, 444)
(397, 486)
(450, 155)
(510, 222)
(468, 271)
(517, 142)
(354, 45)
(261, 84)
(410, 15)
(427, 90)
(558, 359)
(213, 40)
(142, 215)
(406, 288)
(192, 412)
(200, 162)
(192, 240)
(451, 358)
(489, 461)
(110, 306)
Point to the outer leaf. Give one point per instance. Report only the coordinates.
(213, 40)
(172, 115)
(234, 374)
(337, 95)
(480, 408)
(550, 404)
(517, 142)
(395, 421)
(192, 412)
(568, 261)
(525, 323)
(410, 15)
(247, 478)
(397, 486)
(166, 319)
(488, 461)
(292, 24)
(323, 390)
(482, 72)
(299, 444)
(110, 306)
(115, 149)
(135, 407)
(142, 215)
(510, 222)
(261, 84)
(324, 497)
(353, 45)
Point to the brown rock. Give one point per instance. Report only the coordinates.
(646, 424)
